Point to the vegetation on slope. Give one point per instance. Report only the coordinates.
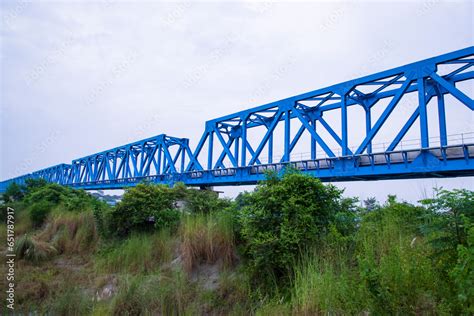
(292, 246)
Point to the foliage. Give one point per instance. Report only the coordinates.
(204, 201)
(371, 204)
(285, 215)
(393, 261)
(144, 208)
(33, 184)
(52, 193)
(305, 250)
(13, 192)
(449, 222)
(39, 211)
(463, 274)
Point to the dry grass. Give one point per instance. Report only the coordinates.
(33, 250)
(71, 232)
(206, 238)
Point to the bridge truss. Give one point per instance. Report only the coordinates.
(238, 148)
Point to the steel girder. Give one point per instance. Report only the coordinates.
(308, 109)
(148, 157)
(237, 161)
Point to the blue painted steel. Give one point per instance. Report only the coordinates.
(231, 158)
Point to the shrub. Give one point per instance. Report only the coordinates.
(284, 217)
(463, 274)
(207, 238)
(204, 201)
(39, 211)
(51, 192)
(14, 192)
(80, 200)
(144, 208)
(449, 218)
(32, 185)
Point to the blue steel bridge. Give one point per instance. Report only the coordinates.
(336, 128)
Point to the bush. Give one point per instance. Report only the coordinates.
(39, 211)
(284, 217)
(13, 193)
(451, 213)
(144, 208)
(463, 274)
(204, 201)
(80, 200)
(51, 192)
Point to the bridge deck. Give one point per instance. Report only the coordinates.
(450, 161)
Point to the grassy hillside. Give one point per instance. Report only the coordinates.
(293, 246)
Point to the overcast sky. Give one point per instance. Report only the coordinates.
(78, 78)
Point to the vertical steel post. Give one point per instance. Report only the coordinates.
(368, 127)
(344, 124)
(270, 149)
(183, 155)
(158, 163)
(442, 119)
(211, 147)
(244, 142)
(313, 141)
(425, 143)
(286, 155)
(236, 149)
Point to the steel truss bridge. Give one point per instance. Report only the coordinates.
(239, 148)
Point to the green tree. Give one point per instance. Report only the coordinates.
(204, 201)
(451, 214)
(463, 274)
(284, 216)
(144, 208)
(13, 193)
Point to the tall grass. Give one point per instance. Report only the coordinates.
(207, 238)
(395, 266)
(33, 250)
(137, 254)
(322, 286)
(23, 222)
(165, 294)
(71, 232)
(72, 301)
